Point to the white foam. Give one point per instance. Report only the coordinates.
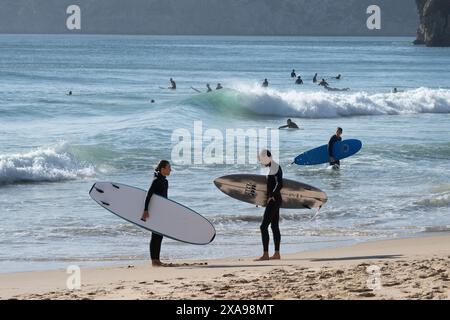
(322, 104)
(43, 164)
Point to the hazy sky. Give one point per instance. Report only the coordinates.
(215, 17)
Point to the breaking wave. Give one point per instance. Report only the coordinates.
(252, 100)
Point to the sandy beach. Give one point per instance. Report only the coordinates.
(413, 268)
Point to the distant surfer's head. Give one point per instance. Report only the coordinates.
(164, 168)
(289, 121)
(339, 131)
(265, 157)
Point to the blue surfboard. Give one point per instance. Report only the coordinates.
(341, 150)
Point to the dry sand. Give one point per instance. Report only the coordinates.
(414, 268)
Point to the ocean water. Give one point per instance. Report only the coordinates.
(53, 147)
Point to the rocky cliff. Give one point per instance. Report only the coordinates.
(434, 27)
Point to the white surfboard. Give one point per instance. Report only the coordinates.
(167, 217)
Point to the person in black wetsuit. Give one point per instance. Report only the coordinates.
(173, 84)
(208, 88)
(323, 83)
(299, 80)
(315, 78)
(293, 74)
(290, 125)
(265, 83)
(159, 186)
(335, 138)
(272, 212)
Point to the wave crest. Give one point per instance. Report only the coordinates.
(244, 100)
(45, 164)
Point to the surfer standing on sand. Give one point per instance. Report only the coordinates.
(272, 212)
(159, 186)
(335, 138)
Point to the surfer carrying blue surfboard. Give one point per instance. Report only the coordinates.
(335, 138)
(272, 212)
(159, 186)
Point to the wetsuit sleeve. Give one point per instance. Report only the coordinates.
(150, 193)
(330, 145)
(275, 185)
(282, 127)
(278, 182)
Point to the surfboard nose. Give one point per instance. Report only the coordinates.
(219, 182)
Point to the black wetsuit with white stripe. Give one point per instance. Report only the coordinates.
(272, 212)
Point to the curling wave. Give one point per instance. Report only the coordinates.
(252, 100)
(45, 164)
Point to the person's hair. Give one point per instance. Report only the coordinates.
(289, 120)
(161, 164)
(340, 129)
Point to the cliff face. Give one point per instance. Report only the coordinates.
(434, 27)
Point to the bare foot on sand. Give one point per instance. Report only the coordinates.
(276, 256)
(264, 257)
(157, 263)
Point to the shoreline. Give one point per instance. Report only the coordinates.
(405, 268)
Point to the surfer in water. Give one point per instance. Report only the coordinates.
(208, 88)
(265, 83)
(338, 77)
(159, 186)
(335, 138)
(336, 89)
(290, 125)
(315, 78)
(219, 86)
(173, 84)
(272, 212)
(323, 83)
(299, 80)
(293, 74)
